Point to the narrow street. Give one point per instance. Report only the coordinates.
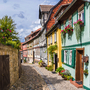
(38, 78)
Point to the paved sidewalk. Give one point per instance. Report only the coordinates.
(54, 81)
(30, 80)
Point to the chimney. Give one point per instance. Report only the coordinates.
(31, 32)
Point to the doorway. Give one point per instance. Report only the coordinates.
(79, 65)
(56, 61)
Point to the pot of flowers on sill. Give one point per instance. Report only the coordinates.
(85, 72)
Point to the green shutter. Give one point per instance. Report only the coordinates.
(73, 57)
(77, 14)
(62, 55)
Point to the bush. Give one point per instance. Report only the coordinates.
(49, 68)
(59, 69)
(40, 63)
(65, 72)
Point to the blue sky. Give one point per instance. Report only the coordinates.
(25, 13)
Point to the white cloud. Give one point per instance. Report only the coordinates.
(37, 27)
(37, 22)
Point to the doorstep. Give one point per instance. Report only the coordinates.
(75, 84)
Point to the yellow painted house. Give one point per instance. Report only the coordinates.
(54, 37)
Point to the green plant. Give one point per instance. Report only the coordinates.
(49, 68)
(59, 69)
(78, 30)
(40, 63)
(24, 60)
(51, 50)
(86, 71)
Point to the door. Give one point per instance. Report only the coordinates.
(55, 62)
(4, 72)
(79, 64)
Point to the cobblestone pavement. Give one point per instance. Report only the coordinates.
(38, 78)
(54, 81)
(30, 80)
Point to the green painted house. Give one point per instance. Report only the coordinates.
(75, 34)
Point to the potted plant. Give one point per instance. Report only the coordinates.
(85, 72)
(59, 69)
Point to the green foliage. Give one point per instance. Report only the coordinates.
(59, 69)
(24, 60)
(85, 71)
(51, 50)
(77, 31)
(40, 62)
(8, 35)
(65, 72)
(49, 68)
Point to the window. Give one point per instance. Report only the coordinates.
(70, 58)
(65, 56)
(55, 37)
(51, 39)
(48, 41)
(70, 20)
(81, 12)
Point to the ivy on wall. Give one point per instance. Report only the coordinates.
(51, 51)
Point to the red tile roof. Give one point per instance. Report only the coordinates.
(38, 30)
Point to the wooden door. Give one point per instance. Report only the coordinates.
(4, 72)
(79, 64)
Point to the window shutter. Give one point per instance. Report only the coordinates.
(77, 14)
(73, 58)
(62, 55)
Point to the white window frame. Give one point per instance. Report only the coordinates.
(70, 58)
(80, 12)
(65, 54)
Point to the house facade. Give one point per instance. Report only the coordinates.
(31, 44)
(44, 11)
(53, 34)
(75, 37)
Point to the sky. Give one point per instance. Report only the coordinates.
(25, 14)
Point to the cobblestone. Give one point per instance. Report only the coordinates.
(30, 80)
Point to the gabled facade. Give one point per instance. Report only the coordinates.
(75, 34)
(30, 44)
(53, 33)
(44, 11)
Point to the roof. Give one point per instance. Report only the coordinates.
(70, 9)
(33, 32)
(61, 8)
(45, 8)
(38, 30)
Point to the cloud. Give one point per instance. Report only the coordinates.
(5, 1)
(20, 15)
(37, 22)
(37, 27)
(16, 6)
(46, 2)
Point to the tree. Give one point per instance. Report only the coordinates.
(8, 33)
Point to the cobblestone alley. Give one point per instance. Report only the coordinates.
(38, 78)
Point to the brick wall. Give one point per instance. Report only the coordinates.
(13, 62)
(52, 20)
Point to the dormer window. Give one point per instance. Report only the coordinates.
(81, 12)
(70, 20)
